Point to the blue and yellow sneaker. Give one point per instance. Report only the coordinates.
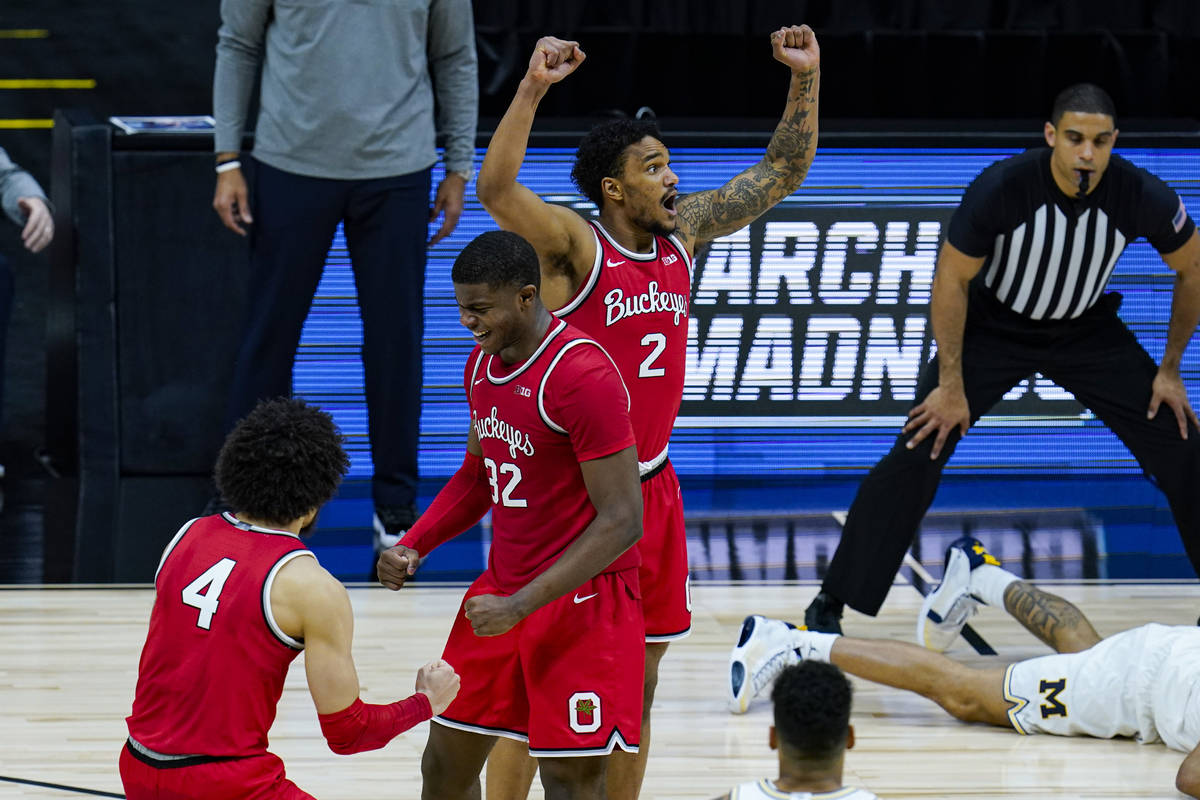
(948, 607)
(763, 649)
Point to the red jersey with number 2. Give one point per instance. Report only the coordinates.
(636, 306)
(536, 421)
(213, 666)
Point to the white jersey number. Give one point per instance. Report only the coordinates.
(505, 498)
(213, 579)
(659, 342)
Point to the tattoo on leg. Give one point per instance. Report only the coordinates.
(1049, 617)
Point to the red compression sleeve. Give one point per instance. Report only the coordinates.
(461, 503)
(364, 726)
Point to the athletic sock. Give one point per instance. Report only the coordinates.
(813, 645)
(988, 584)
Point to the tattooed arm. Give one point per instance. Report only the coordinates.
(1049, 617)
(705, 216)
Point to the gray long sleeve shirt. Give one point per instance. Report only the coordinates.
(348, 85)
(16, 183)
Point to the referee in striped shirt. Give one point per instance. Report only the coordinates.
(1019, 288)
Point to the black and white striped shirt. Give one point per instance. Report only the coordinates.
(1049, 256)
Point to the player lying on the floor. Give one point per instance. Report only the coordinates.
(1143, 683)
(812, 733)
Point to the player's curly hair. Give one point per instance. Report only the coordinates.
(812, 710)
(497, 258)
(281, 462)
(601, 153)
(1083, 98)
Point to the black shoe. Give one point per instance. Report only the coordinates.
(824, 614)
(391, 523)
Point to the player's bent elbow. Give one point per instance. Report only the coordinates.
(488, 190)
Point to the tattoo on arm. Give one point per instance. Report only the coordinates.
(1049, 617)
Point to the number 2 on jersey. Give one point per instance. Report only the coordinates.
(505, 498)
(659, 342)
(214, 579)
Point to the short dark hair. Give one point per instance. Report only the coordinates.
(601, 154)
(497, 258)
(812, 709)
(1083, 98)
(281, 462)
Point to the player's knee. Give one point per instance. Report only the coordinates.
(439, 778)
(573, 777)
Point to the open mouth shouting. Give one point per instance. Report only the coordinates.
(668, 202)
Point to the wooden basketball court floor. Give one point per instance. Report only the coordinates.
(68, 661)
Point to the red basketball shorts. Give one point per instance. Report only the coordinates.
(567, 679)
(252, 778)
(666, 589)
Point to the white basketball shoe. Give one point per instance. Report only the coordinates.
(948, 607)
(763, 649)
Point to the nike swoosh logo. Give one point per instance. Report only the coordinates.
(476, 383)
(610, 263)
(579, 599)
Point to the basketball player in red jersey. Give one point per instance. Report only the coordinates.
(238, 597)
(625, 280)
(549, 639)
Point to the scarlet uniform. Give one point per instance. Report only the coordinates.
(636, 306)
(213, 667)
(567, 678)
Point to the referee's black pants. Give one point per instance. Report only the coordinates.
(386, 222)
(1095, 357)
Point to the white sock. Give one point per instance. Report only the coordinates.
(988, 583)
(813, 645)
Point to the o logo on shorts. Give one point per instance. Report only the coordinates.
(583, 711)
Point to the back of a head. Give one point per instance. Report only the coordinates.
(281, 462)
(497, 258)
(601, 153)
(812, 711)
(1083, 98)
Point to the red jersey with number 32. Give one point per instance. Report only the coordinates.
(536, 421)
(213, 666)
(636, 306)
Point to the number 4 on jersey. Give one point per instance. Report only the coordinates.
(213, 579)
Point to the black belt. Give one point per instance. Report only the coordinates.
(174, 762)
(656, 470)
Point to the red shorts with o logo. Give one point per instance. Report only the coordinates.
(666, 591)
(567, 679)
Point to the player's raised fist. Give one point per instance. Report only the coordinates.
(554, 59)
(796, 46)
(438, 681)
(396, 564)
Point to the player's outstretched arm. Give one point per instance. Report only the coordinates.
(615, 491)
(705, 216)
(311, 605)
(559, 235)
(1187, 780)
(1185, 315)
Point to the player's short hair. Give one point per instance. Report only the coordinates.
(281, 462)
(812, 710)
(1082, 98)
(497, 258)
(601, 153)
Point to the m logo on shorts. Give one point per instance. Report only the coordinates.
(583, 712)
(1053, 707)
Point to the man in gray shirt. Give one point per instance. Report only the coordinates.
(345, 133)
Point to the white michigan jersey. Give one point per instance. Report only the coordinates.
(765, 790)
(1143, 683)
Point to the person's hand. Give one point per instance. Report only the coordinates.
(491, 614)
(39, 223)
(941, 412)
(395, 565)
(449, 199)
(796, 46)
(554, 59)
(1168, 388)
(438, 681)
(232, 200)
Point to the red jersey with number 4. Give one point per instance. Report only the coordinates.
(636, 306)
(536, 422)
(213, 666)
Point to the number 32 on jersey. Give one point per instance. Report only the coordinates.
(504, 496)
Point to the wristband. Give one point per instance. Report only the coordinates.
(226, 166)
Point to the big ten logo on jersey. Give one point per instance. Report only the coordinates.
(522, 391)
(813, 312)
(1053, 707)
(583, 712)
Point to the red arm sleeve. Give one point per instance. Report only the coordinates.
(363, 726)
(461, 503)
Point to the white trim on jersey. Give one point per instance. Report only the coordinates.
(474, 372)
(246, 526)
(268, 614)
(541, 347)
(615, 740)
(592, 279)
(541, 397)
(632, 256)
(645, 467)
(171, 546)
(687, 258)
(463, 726)
(670, 637)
